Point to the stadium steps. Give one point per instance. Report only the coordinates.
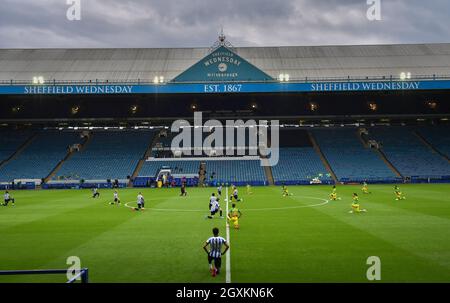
(322, 157)
(147, 154)
(86, 142)
(429, 145)
(67, 157)
(58, 166)
(388, 163)
(363, 142)
(19, 150)
(268, 172)
(202, 175)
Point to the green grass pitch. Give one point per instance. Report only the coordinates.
(301, 238)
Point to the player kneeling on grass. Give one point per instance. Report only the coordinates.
(365, 188)
(140, 203)
(233, 216)
(356, 209)
(116, 198)
(95, 193)
(333, 195)
(215, 253)
(235, 195)
(7, 198)
(398, 194)
(285, 191)
(214, 207)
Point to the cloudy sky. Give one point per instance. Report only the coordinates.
(190, 23)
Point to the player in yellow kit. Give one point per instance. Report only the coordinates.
(333, 195)
(356, 208)
(249, 189)
(398, 194)
(365, 188)
(285, 191)
(233, 216)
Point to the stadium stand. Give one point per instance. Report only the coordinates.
(223, 170)
(349, 159)
(415, 152)
(408, 154)
(11, 141)
(438, 137)
(109, 155)
(38, 159)
(151, 168)
(238, 172)
(299, 163)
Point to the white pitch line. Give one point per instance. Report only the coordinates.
(248, 209)
(228, 254)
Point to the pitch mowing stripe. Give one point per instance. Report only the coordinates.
(228, 254)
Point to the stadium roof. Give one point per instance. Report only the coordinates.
(314, 62)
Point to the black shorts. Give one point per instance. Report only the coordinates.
(219, 192)
(217, 261)
(214, 212)
(116, 200)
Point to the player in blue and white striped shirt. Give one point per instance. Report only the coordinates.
(214, 207)
(140, 203)
(215, 253)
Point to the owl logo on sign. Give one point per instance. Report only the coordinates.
(223, 67)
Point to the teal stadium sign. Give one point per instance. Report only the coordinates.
(224, 71)
(223, 65)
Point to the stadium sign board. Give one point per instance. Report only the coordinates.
(228, 88)
(222, 65)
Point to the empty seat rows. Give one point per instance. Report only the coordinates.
(408, 154)
(109, 155)
(234, 171)
(439, 137)
(299, 164)
(42, 155)
(348, 157)
(11, 141)
(151, 168)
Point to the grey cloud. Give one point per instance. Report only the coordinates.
(190, 23)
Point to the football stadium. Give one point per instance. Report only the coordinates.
(315, 164)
